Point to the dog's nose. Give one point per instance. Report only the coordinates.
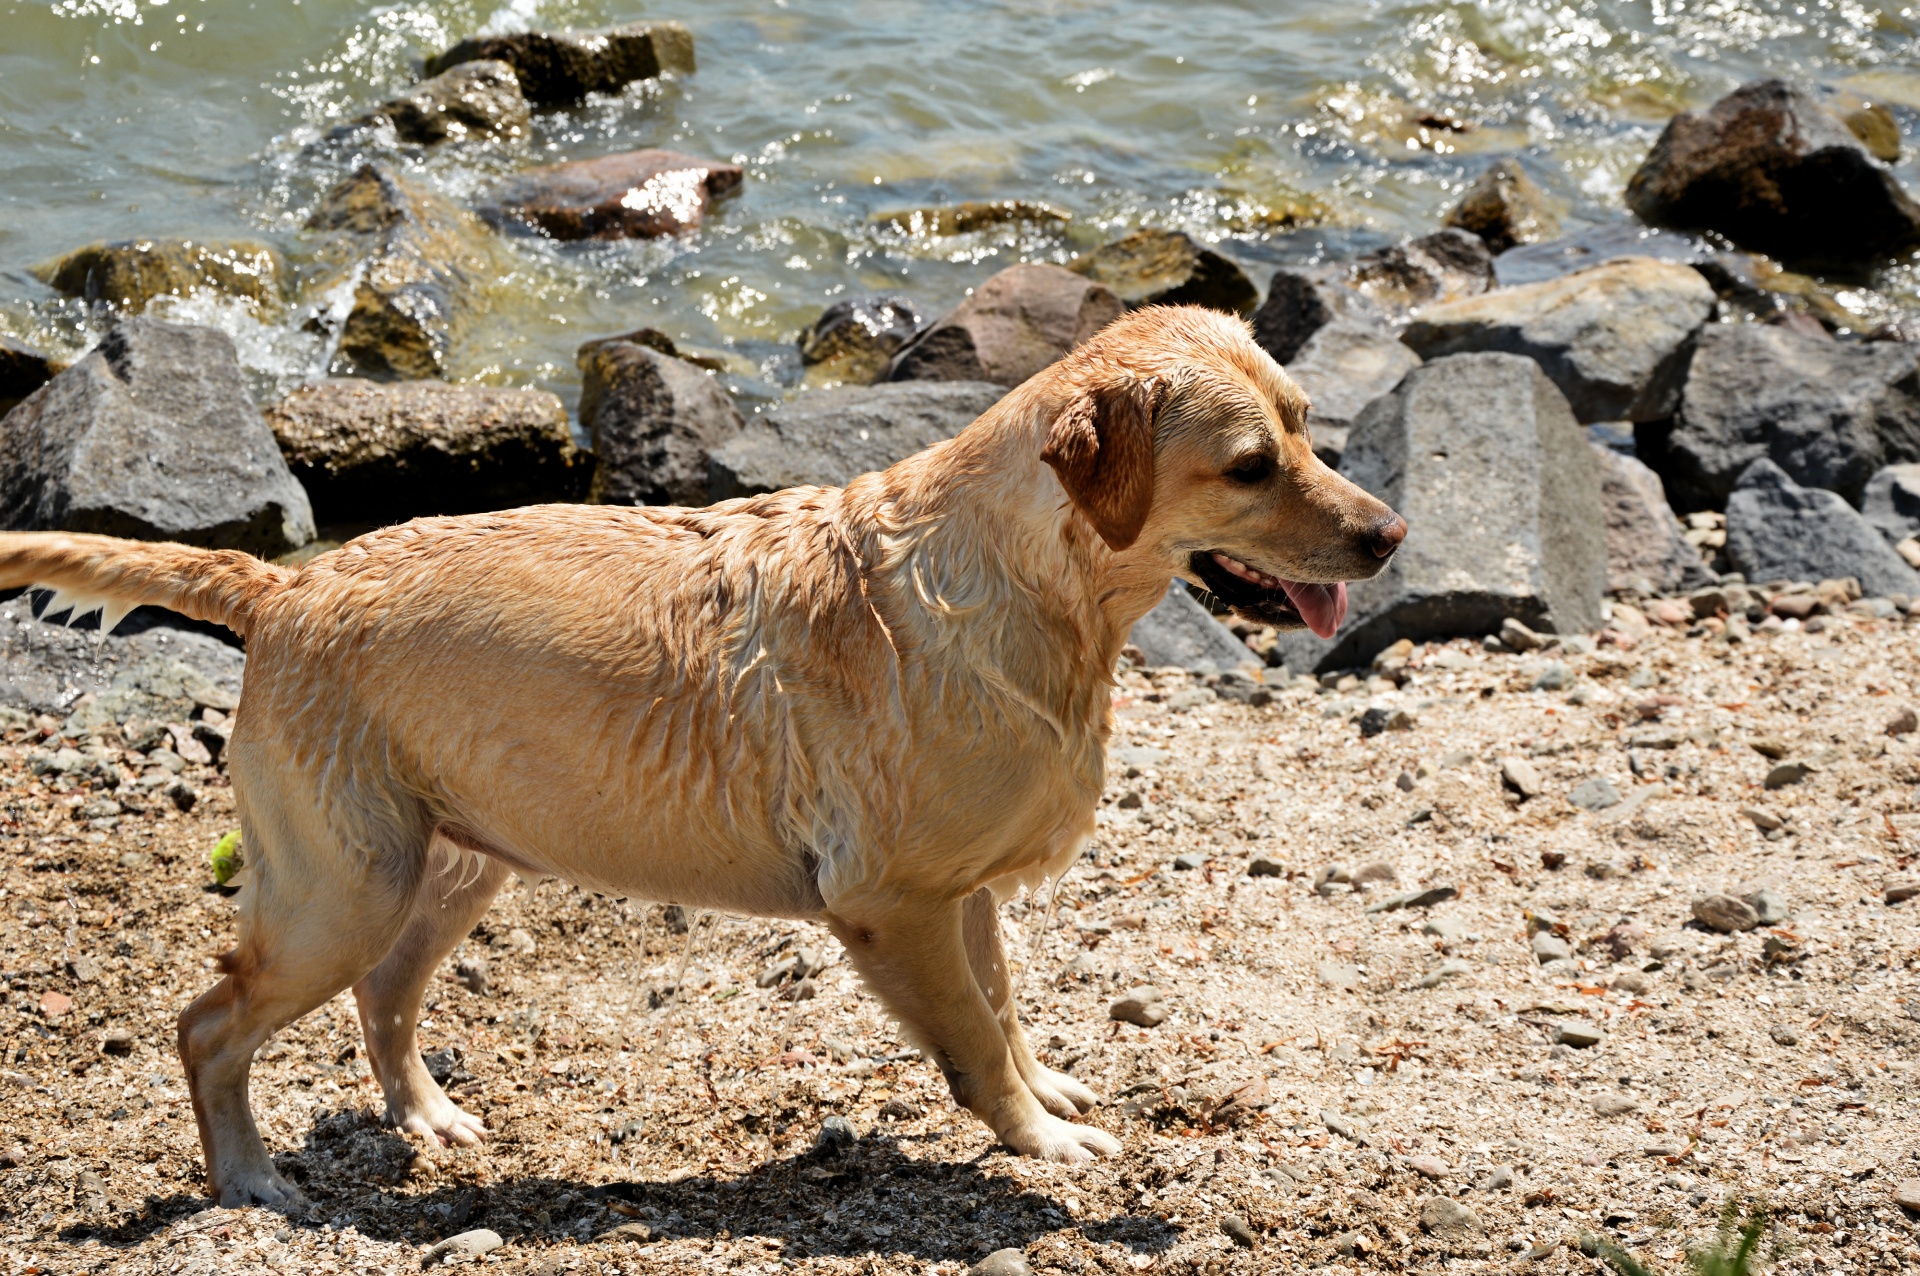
(1387, 535)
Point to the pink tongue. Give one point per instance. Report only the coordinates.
(1323, 607)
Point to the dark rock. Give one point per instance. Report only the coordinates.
(1015, 324)
(1647, 550)
(1828, 413)
(385, 452)
(1381, 288)
(1343, 367)
(971, 217)
(1582, 250)
(130, 274)
(1237, 1231)
(1481, 455)
(855, 339)
(1615, 338)
(148, 672)
(1505, 208)
(470, 100)
(560, 67)
(418, 254)
(1777, 529)
(151, 436)
(1891, 502)
(1300, 302)
(1167, 268)
(655, 421)
(1378, 720)
(629, 195)
(1180, 632)
(837, 1138)
(22, 371)
(827, 438)
(1786, 774)
(1768, 167)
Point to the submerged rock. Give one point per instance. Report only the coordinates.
(855, 339)
(1505, 208)
(22, 371)
(630, 195)
(1168, 268)
(1777, 529)
(1014, 324)
(829, 437)
(1482, 456)
(561, 67)
(151, 435)
(972, 216)
(1533, 263)
(131, 273)
(1647, 549)
(1615, 339)
(1179, 631)
(655, 420)
(377, 452)
(1771, 169)
(470, 100)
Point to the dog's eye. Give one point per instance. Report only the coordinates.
(1252, 469)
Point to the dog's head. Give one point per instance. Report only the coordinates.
(1185, 446)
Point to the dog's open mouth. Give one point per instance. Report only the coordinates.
(1285, 604)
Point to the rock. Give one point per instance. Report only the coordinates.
(1352, 1128)
(1647, 549)
(1443, 266)
(1375, 871)
(837, 1137)
(1424, 898)
(1498, 1179)
(1873, 124)
(1769, 906)
(1338, 974)
(1787, 773)
(1301, 301)
(22, 371)
(655, 422)
(638, 1233)
(472, 974)
(173, 397)
(1532, 263)
(1014, 324)
(1142, 1006)
(1002, 1262)
(1380, 719)
(1264, 866)
(1517, 636)
(1180, 632)
(1828, 413)
(1238, 1232)
(629, 195)
(1891, 502)
(1429, 1167)
(971, 216)
(1724, 913)
(1548, 946)
(561, 67)
(1557, 676)
(1613, 1105)
(1167, 268)
(1784, 1035)
(1906, 1194)
(1480, 454)
(1595, 794)
(119, 1041)
(1444, 971)
(1615, 338)
(145, 672)
(130, 274)
(1768, 167)
(1898, 890)
(1778, 529)
(1505, 208)
(1188, 862)
(1519, 775)
(1904, 722)
(855, 339)
(417, 254)
(466, 1245)
(471, 100)
(1449, 1219)
(1576, 1033)
(1343, 367)
(829, 437)
(385, 452)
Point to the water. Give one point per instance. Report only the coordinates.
(1278, 132)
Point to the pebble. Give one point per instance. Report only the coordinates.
(1724, 913)
(1448, 930)
(472, 972)
(1237, 1231)
(1346, 1127)
(1769, 906)
(1444, 971)
(1901, 889)
(118, 1041)
(1906, 1194)
(1555, 677)
(1517, 636)
(1498, 1179)
(1596, 794)
(1142, 1006)
(1285, 1175)
(1519, 775)
(1548, 946)
(1783, 1034)
(1266, 866)
(836, 1138)
(466, 1245)
(1188, 862)
(1338, 974)
(639, 1233)
(1764, 820)
(1376, 871)
(1905, 722)
(1612, 1105)
(1443, 1216)
(1578, 1035)
(1787, 773)
(1002, 1262)
(1431, 1167)
(1629, 981)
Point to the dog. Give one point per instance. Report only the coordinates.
(882, 707)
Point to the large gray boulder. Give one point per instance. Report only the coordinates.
(655, 420)
(384, 452)
(1892, 502)
(1771, 169)
(1615, 338)
(1179, 631)
(146, 669)
(1647, 550)
(557, 68)
(1382, 287)
(1345, 366)
(1779, 530)
(1829, 413)
(828, 437)
(1501, 493)
(22, 371)
(152, 436)
(1015, 324)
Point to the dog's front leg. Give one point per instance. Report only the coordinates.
(913, 954)
(1059, 1093)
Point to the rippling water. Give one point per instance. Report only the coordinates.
(1279, 131)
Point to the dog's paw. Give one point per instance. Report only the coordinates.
(259, 1185)
(1051, 1139)
(445, 1122)
(1060, 1094)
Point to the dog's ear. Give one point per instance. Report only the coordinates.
(1101, 447)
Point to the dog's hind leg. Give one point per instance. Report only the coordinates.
(1058, 1093)
(317, 914)
(444, 910)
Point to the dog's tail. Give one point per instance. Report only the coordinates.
(113, 576)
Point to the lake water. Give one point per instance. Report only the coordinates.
(1277, 131)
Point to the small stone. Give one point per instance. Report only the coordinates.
(1266, 866)
(1444, 971)
(1784, 1035)
(1517, 636)
(1612, 1105)
(836, 1138)
(1376, 871)
(1377, 720)
(85, 969)
(1519, 775)
(1724, 913)
(118, 1041)
(1346, 1127)
(638, 1233)
(55, 1004)
(1441, 1216)
(1431, 1167)
(1555, 677)
(1286, 1175)
(135, 861)
(1787, 773)
(1901, 889)
(1769, 906)
(1906, 1194)
(1548, 946)
(1905, 722)
(519, 941)
(1338, 974)
(1188, 862)
(472, 974)
(1002, 1262)
(1631, 981)
(1498, 1179)
(466, 1245)
(1580, 1036)
(1596, 794)
(1764, 820)
(1142, 1006)
(1237, 1231)
(1448, 930)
